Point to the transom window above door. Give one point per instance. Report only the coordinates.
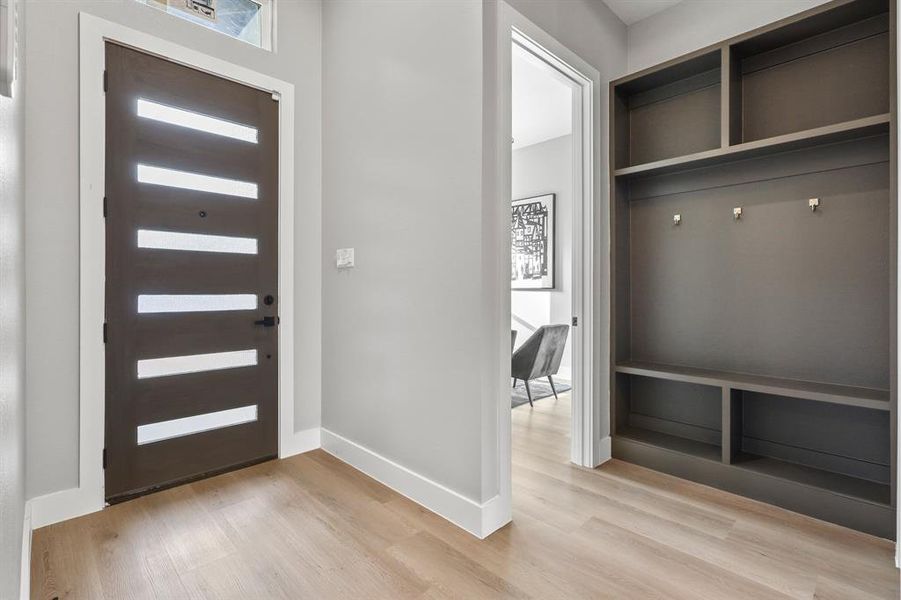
(250, 21)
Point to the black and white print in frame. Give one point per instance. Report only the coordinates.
(533, 243)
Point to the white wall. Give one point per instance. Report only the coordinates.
(547, 168)
(694, 24)
(12, 330)
(51, 162)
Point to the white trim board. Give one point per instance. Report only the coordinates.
(25, 564)
(93, 33)
(61, 506)
(478, 519)
(300, 442)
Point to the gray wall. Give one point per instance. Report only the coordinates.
(402, 185)
(547, 168)
(52, 211)
(693, 24)
(405, 333)
(12, 331)
(587, 27)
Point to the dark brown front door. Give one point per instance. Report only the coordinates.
(191, 273)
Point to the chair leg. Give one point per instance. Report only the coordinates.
(514, 382)
(553, 389)
(529, 393)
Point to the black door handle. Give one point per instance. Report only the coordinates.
(267, 322)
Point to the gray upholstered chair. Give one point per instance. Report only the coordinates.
(540, 356)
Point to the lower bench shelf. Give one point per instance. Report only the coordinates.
(671, 442)
(853, 487)
(855, 503)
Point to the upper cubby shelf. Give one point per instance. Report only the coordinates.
(816, 78)
(670, 112)
(828, 134)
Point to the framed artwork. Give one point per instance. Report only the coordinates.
(533, 243)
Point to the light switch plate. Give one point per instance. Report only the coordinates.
(344, 258)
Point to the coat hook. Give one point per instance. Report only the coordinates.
(814, 203)
(736, 213)
(677, 219)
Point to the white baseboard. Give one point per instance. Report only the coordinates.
(478, 519)
(603, 451)
(63, 505)
(495, 514)
(25, 565)
(300, 442)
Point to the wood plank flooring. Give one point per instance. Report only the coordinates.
(312, 527)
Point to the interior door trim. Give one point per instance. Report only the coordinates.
(93, 34)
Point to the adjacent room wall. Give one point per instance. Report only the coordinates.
(694, 24)
(51, 163)
(547, 168)
(12, 328)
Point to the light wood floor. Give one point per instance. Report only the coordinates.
(311, 527)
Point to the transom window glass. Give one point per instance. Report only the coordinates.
(246, 20)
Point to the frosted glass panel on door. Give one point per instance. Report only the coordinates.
(195, 363)
(195, 242)
(166, 430)
(196, 181)
(177, 303)
(194, 120)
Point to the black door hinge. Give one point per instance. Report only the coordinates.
(104, 458)
(575, 321)
(105, 81)
(105, 336)
(104, 207)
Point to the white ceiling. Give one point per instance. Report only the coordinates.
(630, 11)
(542, 101)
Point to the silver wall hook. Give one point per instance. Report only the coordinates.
(736, 213)
(813, 203)
(677, 219)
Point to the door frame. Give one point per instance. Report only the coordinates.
(581, 450)
(94, 32)
(591, 443)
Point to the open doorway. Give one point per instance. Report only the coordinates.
(546, 186)
(521, 430)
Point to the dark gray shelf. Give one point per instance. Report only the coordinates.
(798, 109)
(671, 442)
(847, 501)
(807, 390)
(858, 128)
(852, 487)
(861, 489)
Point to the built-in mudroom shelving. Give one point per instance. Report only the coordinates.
(754, 211)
